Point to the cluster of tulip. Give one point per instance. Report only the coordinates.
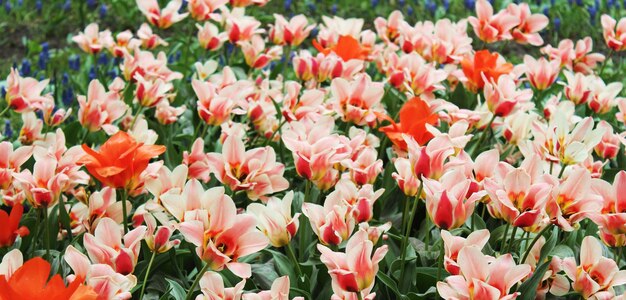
(320, 161)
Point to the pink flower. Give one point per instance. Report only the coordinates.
(483, 277)
(595, 274)
(101, 204)
(158, 238)
(92, 40)
(150, 92)
(209, 36)
(357, 101)
(254, 171)
(578, 58)
(572, 200)
(148, 66)
(447, 200)
(201, 10)
(197, 161)
(609, 146)
(108, 283)
(527, 31)
(292, 32)
(212, 108)
(149, 40)
(411, 72)
(388, 30)
(360, 199)
(503, 97)
(331, 224)
(124, 43)
(307, 106)
(43, 187)
(255, 54)
(612, 218)
(355, 270)
(541, 73)
(10, 162)
(108, 246)
(242, 28)
(275, 220)
(365, 167)
(99, 109)
(221, 235)
(278, 291)
(577, 89)
(162, 18)
(604, 96)
(616, 40)
(24, 94)
(557, 284)
(212, 288)
(454, 244)
(489, 27)
(31, 129)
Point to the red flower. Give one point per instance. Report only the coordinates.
(414, 115)
(30, 281)
(347, 48)
(483, 62)
(9, 229)
(120, 160)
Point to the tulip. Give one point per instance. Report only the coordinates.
(162, 18)
(483, 64)
(503, 97)
(92, 40)
(577, 89)
(347, 47)
(615, 40)
(11, 230)
(150, 93)
(454, 244)
(388, 30)
(541, 73)
(609, 146)
(414, 115)
(353, 271)
(197, 161)
(10, 162)
(275, 220)
(492, 28)
(278, 291)
(108, 246)
(255, 54)
(201, 10)
(242, 28)
(612, 218)
(358, 101)
(604, 96)
(572, 200)
(158, 238)
(331, 224)
(149, 40)
(24, 94)
(596, 274)
(527, 31)
(99, 109)
(292, 32)
(212, 108)
(119, 161)
(212, 288)
(209, 36)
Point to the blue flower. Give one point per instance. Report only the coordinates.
(470, 4)
(557, 23)
(410, 11)
(25, 69)
(67, 96)
(7, 7)
(43, 61)
(39, 6)
(92, 4)
(103, 11)
(92, 74)
(3, 92)
(311, 6)
(333, 9)
(8, 132)
(374, 3)
(593, 11)
(103, 59)
(287, 4)
(446, 4)
(67, 6)
(65, 79)
(431, 6)
(74, 62)
(401, 3)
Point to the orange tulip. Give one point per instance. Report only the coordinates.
(347, 48)
(9, 230)
(414, 115)
(120, 160)
(483, 62)
(30, 281)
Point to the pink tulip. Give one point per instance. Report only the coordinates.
(595, 274)
(209, 36)
(355, 270)
(612, 218)
(527, 31)
(454, 244)
(577, 89)
(222, 241)
(292, 32)
(197, 161)
(609, 146)
(11, 261)
(24, 94)
(149, 40)
(412, 72)
(108, 246)
(242, 28)
(357, 101)
(43, 187)
(212, 108)
(572, 200)
(99, 109)
(10, 162)
(604, 96)
(388, 30)
(557, 284)
(255, 54)
(101, 277)
(503, 97)
(148, 66)
(584, 60)
(158, 238)
(278, 291)
(124, 43)
(308, 106)
(101, 204)
(331, 224)
(92, 40)
(365, 168)
(489, 27)
(162, 18)
(212, 288)
(254, 171)
(244, 3)
(483, 277)
(201, 10)
(167, 114)
(360, 199)
(275, 220)
(149, 93)
(615, 40)
(541, 73)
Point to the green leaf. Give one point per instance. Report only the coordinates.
(389, 283)
(283, 264)
(176, 290)
(562, 251)
(528, 289)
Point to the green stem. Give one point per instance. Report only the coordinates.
(195, 282)
(562, 171)
(46, 235)
(132, 124)
(440, 262)
(512, 239)
(483, 135)
(619, 256)
(4, 111)
(145, 278)
(292, 255)
(65, 217)
(359, 296)
(124, 195)
(604, 63)
(504, 236)
(407, 232)
(530, 247)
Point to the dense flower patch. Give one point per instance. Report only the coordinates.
(219, 151)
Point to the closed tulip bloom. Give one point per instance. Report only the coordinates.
(162, 18)
(209, 36)
(609, 146)
(595, 275)
(290, 32)
(331, 223)
(614, 32)
(577, 88)
(119, 161)
(355, 270)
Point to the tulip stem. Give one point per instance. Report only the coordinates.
(124, 195)
(512, 239)
(532, 243)
(359, 296)
(5, 110)
(196, 281)
(46, 236)
(407, 231)
(440, 261)
(604, 63)
(562, 171)
(132, 124)
(483, 135)
(145, 278)
(292, 255)
(504, 236)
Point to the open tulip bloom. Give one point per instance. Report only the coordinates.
(344, 150)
